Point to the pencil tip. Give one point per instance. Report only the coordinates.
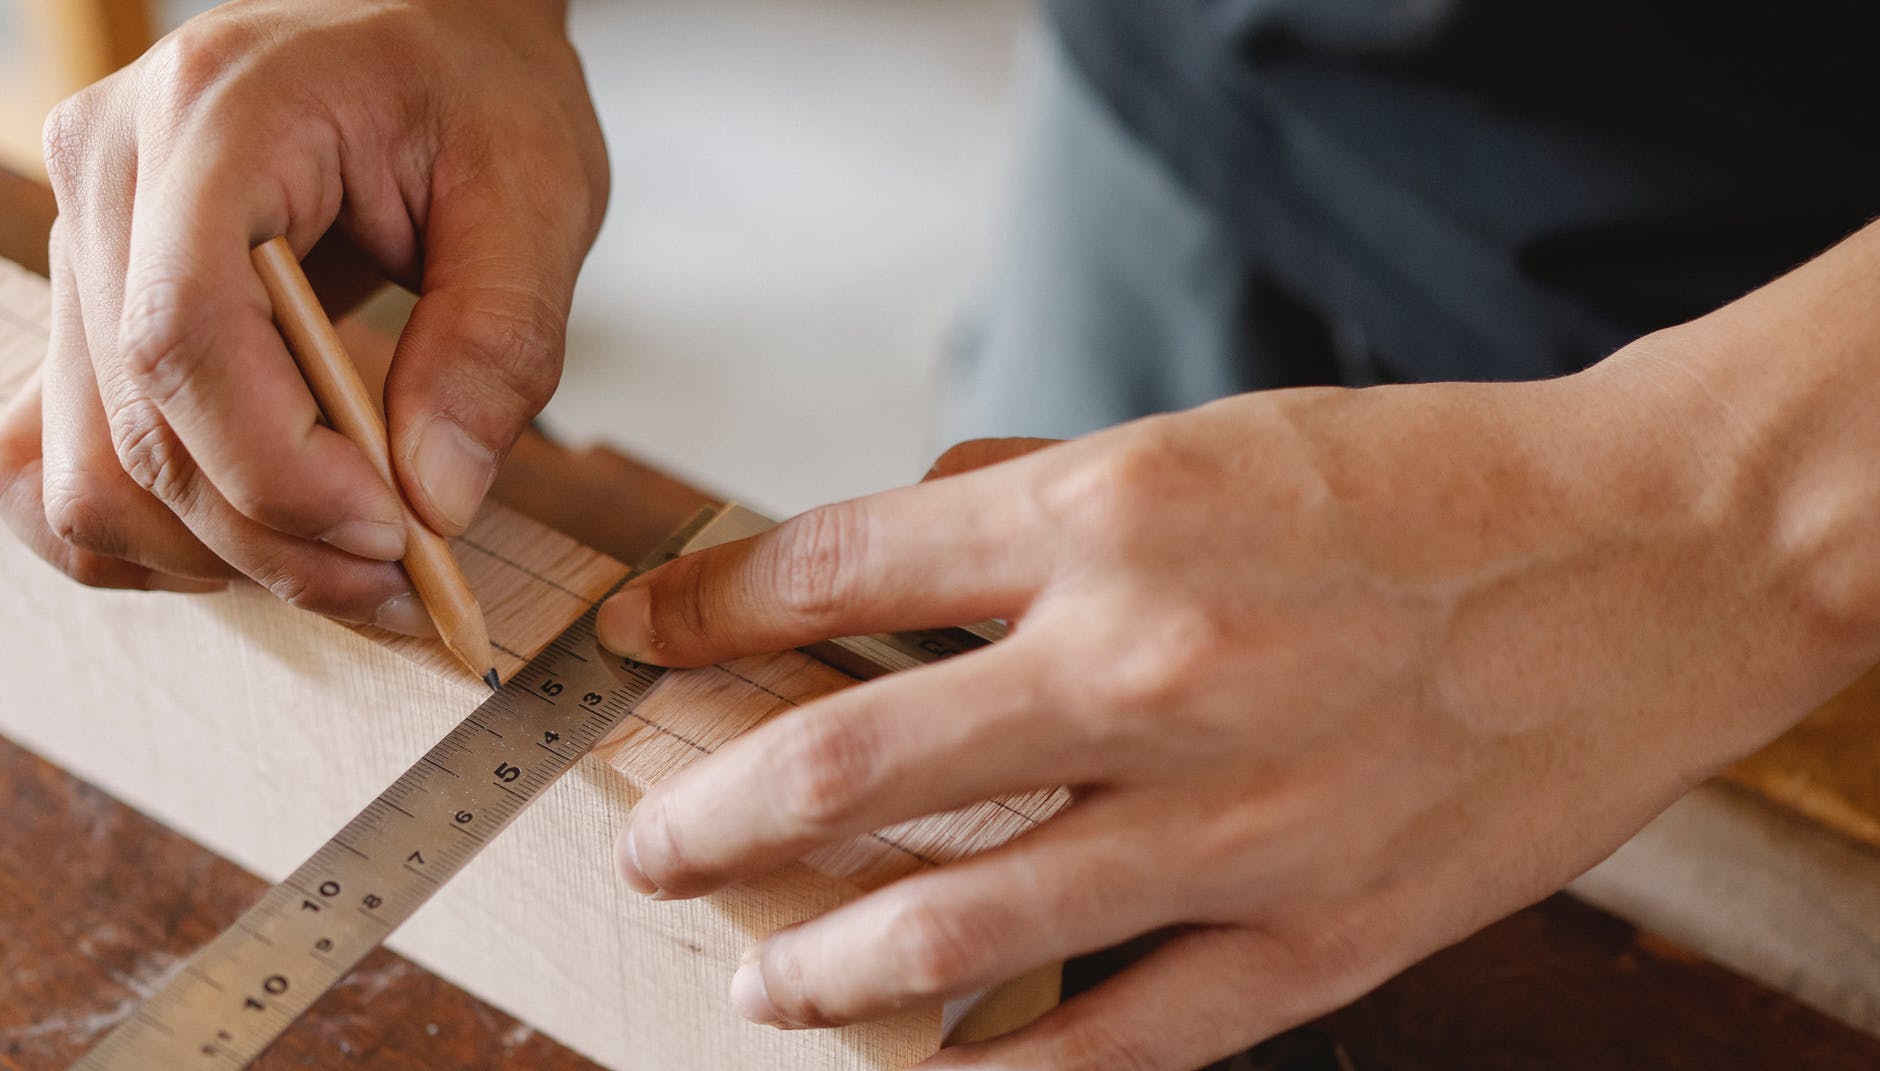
(491, 679)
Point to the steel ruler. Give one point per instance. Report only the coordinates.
(243, 989)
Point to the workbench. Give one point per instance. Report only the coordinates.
(98, 902)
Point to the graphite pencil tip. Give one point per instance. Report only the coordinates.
(491, 679)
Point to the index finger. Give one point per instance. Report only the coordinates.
(197, 344)
(941, 553)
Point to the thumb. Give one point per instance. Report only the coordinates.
(481, 354)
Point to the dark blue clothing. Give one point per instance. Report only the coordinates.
(1496, 189)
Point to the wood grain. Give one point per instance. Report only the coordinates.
(235, 697)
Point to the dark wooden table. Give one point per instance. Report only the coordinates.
(98, 903)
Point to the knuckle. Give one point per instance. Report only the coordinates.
(828, 770)
(62, 143)
(1116, 492)
(93, 570)
(1157, 667)
(263, 502)
(791, 992)
(517, 339)
(1097, 1045)
(659, 850)
(189, 63)
(289, 586)
(152, 454)
(937, 951)
(1140, 679)
(154, 341)
(1339, 945)
(278, 572)
(814, 555)
(679, 610)
(81, 515)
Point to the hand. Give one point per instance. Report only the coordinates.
(446, 145)
(1336, 677)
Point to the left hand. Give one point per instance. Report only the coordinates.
(1337, 677)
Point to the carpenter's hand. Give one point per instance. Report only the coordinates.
(448, 145)
(1337, 678)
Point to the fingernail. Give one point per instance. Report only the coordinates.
(625, 624)
(453, 470)
(630, 871)
(405, 614)
(750, 998)
(368, 539)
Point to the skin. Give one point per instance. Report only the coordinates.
(1336, 677)
(449, 147)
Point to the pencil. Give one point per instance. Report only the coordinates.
(335, 383)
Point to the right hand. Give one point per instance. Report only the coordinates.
(446, 145)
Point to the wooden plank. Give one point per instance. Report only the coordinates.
(97, 900)
(1828, 767)
(99, 903)
(1760, 890)
(235, 697)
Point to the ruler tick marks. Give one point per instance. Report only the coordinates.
(289, 948)
(254, 933)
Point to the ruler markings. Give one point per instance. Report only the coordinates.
(245, 987)
(292, 946)
(465, 540)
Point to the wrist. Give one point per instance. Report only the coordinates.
(1763, 411)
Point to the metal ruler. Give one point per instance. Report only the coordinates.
(244, 989)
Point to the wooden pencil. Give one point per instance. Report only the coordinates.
(348, 406)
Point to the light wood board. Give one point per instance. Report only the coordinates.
(258, 730)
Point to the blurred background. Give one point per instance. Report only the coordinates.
(804, 193)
